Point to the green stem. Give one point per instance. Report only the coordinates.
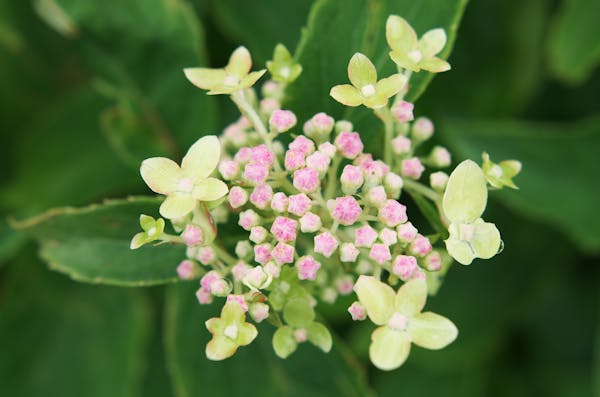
(418, 187)
(332, 177)
(386, 116)
(223, 255)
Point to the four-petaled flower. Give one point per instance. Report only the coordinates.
(186, 185)
(282, 67)
(464, 201)
(410, 53)
(152, 230)
(229, 332)
(365, 89)
(501, 174)
(401, 321)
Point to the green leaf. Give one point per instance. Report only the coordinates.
(558, 181)
(573, 46)
(10, 242)
(91, 244)
(338, 29)
(67, 339)
(254, 369)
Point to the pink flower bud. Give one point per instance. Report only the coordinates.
(237, 197)
(279, 202)
(329, 295)
(208, 280)
(349, 144)
(307, 268)
(239, 270)
(433, 261)
(283, 253)
(243, 155)
(388, 236)
(243, 249)
(235, 134)
(328, 149)
(343, 125)
(420, 246)
(422, 129)
(348, 252)
(248, 219)
(319, 162)
(272, 269)
(412, 168)
(310, 223)
(403, 111)
(344, 285)
(258, 311)
(404, 266)
(365, 236)
(192, 235)
(269, 105)
(401, 145)
(262, 155)
(299, 204)
(271, 89)
(258, 234)
(419, 274)
(294, 159)
(229, 169)
(406, 232)
(262, 253)
(374, 171)
(284, 229)
(319, 126)
(392, 213)
(380, 253)
(206, 255)
(393, 184)
(357, 311)
(377, 196)
(438, 181)
(187, 270)
(255, 173)
(239, 299)
(306, 180)
(351, 178)
(303, 145)
(204, 297)
(325, 244)
(440, 157)
(346, 210)
(261, 196)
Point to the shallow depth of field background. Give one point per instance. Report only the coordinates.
(524, 84)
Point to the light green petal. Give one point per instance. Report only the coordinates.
(389, 348)
(390, 86)
(240, 63)
(249, 80)
(220, 347)
(346, 94)
(298, 312)
(432, 331)
(432, 42)
(434, 65)
(215, 325)
(375, 102)
(319, 335)
(205, 78)
(465, 197)
(402, 61)
(486, 239)
(246, 334)
(296, 71)
(281, 54)
(284, 343)
(138, 240)
(160, 174)
(210, 189)
(411, 297)
(510, 168)
(232, 313)
(400, 35)
(224, 89)
(361, 71)
(177, 205)
(201, 158)
(376, 297)
(146, 222)
(461, 251)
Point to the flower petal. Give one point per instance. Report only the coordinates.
(232, 313)
(376, 297)
(177, 205)
(246, 334)
(215, 325)
(240, 62)
(210, 189)
(319, 335)
(201, 158)
(138, 240)
(432, 331)
(432, 42)
(403, 61)
(434, 65)
(220, 347)
(284, 343)
(399, 34)
(361, 71)
(250, 79)
(465, 197)
(205, 78)
(389, 348)
(160, 174)
(411, 297)
(486, 239)
(346, 94)
(461, 251)
(390, 86)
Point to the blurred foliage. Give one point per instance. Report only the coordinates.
(78, 111)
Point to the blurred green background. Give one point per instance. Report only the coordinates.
(94, 87)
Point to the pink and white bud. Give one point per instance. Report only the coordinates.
(346, 210)
(420, 246)
(258, 234)
(303, 145)
(438, 181)
(262, 253)
(306, 180)
(406, 232)
(433, 261)
(388, 236)
(348, 252)
(328, 149)
(319, 126)
(380, 253)
(412, 168)
(401, 145)
(248, 219)
(208, 279)
(243, 249)
(343, 125)
(269, 105)
(204, 297)
(365, 236)
(393, 184)
(261, 196)
(357, 311)
(377, 196)
(192, 235)
(307, 268)
(283, 253)
(229, 169)
(319, 162)
(239, 299)
(392, 213)
(187, 270)
(239, 270)
(262, 155)
(374, 171)
(344, 284)
(404, 266)
(325, 244)
(284, 229)
(440, 157)
(237, 197)
(236, 135)
(272, 269)
(299, 204)
(352, 178)
(206, 255)
(294, 159)
(258, 311)
(403, 111)
(220, 287)
(419, 274)
(349, 144)
(329, 295)
(271, 89)
(301, 335)
(422, 129)
(310, 223)
(256, 278)
(255, 174)
(279, 202)
(243, 155)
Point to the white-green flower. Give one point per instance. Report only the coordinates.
(186, 185)
(401, 321)
(501, 174)
(229, 332)
(414, 54)
(365, 89)
(282, 67)
(152, 231)
(464, 201)
(233, 77)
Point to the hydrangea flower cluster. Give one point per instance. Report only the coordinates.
(321, 216)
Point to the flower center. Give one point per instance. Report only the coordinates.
(231, 81)
(185, 185)
(285, 72)
(496, 171)
(151, 231)
(231, 331)
(368, 90)
(466, 232)
(398, 322)
(415, 56)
